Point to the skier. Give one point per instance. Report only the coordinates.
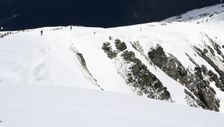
(41, 32)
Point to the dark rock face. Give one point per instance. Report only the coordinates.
(121, 46)
(192, 100)
(169, 65)
(219, 82)
(108, 50)
(137, 76)
(196, 82)
(145, 82)
(215, 48)
(202, 89)
(82, 60)
(158, 56)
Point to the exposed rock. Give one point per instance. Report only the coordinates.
(108, 50)
(129, 56)
(142, 79)
(211, 50)
(192, 60)
(121, 46)
(203, 90)
(137, 74)
(215, 45)
(158, 56)
(220, 83)
(83, 64)
(110, 38)
(169, 65)
(205, 51)
(82, 60)
(191, 100)
(106, 47)
(136, 45)
(196, 83)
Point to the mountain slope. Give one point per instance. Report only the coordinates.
(179, 62)
(207, 15)
(24, 106)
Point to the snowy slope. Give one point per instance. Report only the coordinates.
(180, 62)
(206, 15)
(35, 106)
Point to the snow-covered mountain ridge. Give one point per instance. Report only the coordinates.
(180, 62)
(206, 15)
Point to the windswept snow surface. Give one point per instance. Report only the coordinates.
(40, 106)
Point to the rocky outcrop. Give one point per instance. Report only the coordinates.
(143, 80)
(195, 82)
(108, 50)
(137, 74)
(199, 92)
(202, 89)
(170, 65)
(198, 80)
(83, 64)
(218, 81)
(121, 46)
